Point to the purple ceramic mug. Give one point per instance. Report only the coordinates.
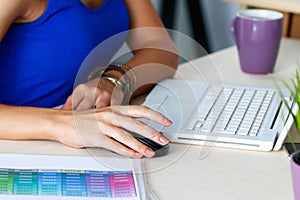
(295, 170)
(257, 34)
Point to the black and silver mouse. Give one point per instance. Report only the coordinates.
(160, 150)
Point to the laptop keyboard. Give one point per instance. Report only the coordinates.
(232, 111)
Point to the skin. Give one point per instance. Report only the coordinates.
(77, 125)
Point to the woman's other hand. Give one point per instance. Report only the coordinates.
(96, 93)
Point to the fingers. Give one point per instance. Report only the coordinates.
(113, 120)
(114, 125)
(94, 101)
(87, 102)
(136, 126)
(122, 150)
(102, 99)
(142, 129)
(143, 112)
(68, 104)
(73, 102)
(97, 93)
(124, 143)
(81, 101)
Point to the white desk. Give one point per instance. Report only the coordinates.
(196, 172)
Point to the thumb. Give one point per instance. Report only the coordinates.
(68, 104)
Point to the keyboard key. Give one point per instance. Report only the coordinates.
(232, 111)
(243, 131)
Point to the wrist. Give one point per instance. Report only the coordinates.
(115, 82)
(115, 87)
(121, 75)
(61, 126)
(129, 71)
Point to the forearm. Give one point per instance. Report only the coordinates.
(152, 66)
(155, 55)
(93, 128)
(27, 123)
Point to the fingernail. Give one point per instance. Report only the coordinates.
(163, 139)
(149, 152)
(167, 122)
(138, 155)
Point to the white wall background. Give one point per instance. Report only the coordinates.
(218, 15)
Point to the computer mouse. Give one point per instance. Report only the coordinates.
(160, 150)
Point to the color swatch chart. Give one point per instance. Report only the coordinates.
(83, 183)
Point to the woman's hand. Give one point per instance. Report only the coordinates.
(106, 127)
(96, 93)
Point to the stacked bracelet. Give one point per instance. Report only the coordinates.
(126, 67)
(126, 86)
(116, 82)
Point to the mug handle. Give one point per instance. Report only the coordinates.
(233, 29)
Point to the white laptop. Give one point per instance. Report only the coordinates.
(232, 116)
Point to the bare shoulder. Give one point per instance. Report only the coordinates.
(9, 11)
(14, 8)
(19, 11)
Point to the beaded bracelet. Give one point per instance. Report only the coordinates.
(100, 71)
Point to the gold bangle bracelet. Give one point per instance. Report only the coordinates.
(115, 81)
(126, 67)
(126, 86)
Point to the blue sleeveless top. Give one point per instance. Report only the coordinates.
(39, 60)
